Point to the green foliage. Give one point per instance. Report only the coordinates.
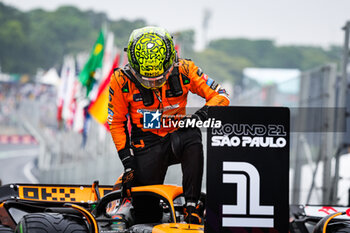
(221, 66)
(122, 30)
(29, 40)
(186, 40)
(54, 34)
(13, 28)
(264, 53)
(38, 38)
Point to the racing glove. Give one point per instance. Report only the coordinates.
(127, 158)
(199, 115)
(192, 214)
(127, 182)
(202, 113)
(129, 164)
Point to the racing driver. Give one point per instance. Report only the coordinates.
(155, 84)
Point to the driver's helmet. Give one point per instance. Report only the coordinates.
(151, 55)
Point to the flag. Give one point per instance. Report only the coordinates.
(79, 116)
(87, 76)
(109, 54)
(62, 88)
(65, 91)
(99, 108)
(69, 101)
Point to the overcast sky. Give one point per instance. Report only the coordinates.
(307, 22)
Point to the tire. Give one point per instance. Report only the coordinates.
(4, 229)
(51, 223)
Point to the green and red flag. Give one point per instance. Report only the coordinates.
(87, 75)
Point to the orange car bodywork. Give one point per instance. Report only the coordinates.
(85, 193)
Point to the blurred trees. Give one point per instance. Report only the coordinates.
(186, 41)
(220, 65)
(264, 53)
(38, 38)
(122, 30)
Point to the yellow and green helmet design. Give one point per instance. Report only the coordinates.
(151, 55)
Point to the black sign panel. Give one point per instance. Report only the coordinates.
(248, 170)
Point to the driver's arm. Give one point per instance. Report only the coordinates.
(117, 115)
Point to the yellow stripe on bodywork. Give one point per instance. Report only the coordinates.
(60, 193)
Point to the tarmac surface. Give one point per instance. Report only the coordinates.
(17, 163)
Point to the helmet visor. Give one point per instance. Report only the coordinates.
(152, 82)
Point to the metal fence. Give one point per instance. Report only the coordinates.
(31, 108)
(8, 105)
(63, 158)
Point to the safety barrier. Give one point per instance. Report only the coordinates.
(17, 139)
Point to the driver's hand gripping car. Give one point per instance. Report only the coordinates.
(156, 83)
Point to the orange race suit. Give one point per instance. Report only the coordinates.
(126, 100)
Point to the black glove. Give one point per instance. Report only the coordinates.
(127, 159)
(202, 113)
(129, 164)
(199, 115)
(127, 182)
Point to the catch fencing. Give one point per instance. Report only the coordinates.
(30, 109)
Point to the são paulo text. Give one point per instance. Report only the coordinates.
(246, 141)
